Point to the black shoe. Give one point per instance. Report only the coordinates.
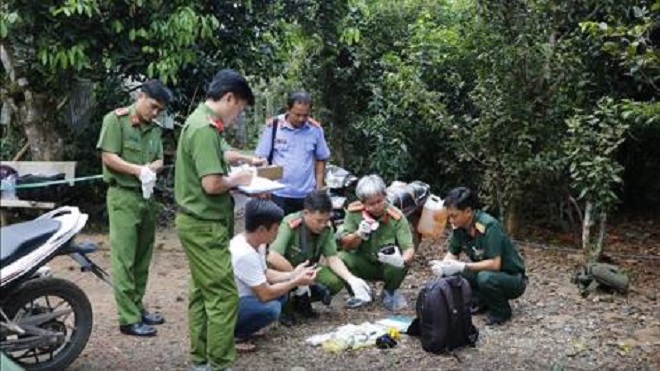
(303, 305)
(152, 318)
(288, 319)
(137, 329)
(321, 291)
(492, 320)
(478, 308)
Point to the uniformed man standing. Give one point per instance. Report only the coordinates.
(372, 225)
(132, 154)
(303, 238)
(496, 271)
(299, 147)
(205, 219)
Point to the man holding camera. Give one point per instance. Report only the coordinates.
(377, 241)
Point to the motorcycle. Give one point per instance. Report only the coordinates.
(341, 187)
(45, 322)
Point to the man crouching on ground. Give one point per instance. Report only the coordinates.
(496, 270)
(305, 237)
(261, 291)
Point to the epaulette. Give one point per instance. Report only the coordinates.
(122, 111)
(314, 122)
(394, 213)
(355, 206)
(480, 227)
(295, 223)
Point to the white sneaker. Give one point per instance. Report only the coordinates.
(353, 303)
(394, 301)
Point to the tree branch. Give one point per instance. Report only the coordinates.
(7, 61)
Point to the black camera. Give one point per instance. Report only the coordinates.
(387, 250)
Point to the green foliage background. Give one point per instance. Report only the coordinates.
(531, 102)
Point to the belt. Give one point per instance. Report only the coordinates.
(113, 183)
(190, 213)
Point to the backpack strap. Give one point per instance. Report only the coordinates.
(447, 290)
(272, 140)
(303, 236)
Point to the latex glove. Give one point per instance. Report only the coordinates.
(394, 259)
(148, 179)
(361, 289)
(364, 229)
(300, 268)
(302, 291)
(436, 268)
(452, 267)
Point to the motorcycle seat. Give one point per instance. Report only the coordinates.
(18, 240)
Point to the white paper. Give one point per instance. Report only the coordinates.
(261, 185)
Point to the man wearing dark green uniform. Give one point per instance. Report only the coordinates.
(205, 219)
(303, 238)
(496, 271)
(372, 225)
(132, 154)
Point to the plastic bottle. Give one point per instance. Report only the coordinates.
(9, 187)
(434, 218)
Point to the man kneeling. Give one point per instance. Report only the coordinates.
(377, 241)
(262, 291)
(496, 270)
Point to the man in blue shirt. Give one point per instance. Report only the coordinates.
(299, 147)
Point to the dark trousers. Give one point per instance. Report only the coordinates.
(288, 204)
(495, 289)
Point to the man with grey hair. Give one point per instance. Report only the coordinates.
(377, 241)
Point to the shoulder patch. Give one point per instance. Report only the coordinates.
(355, 206)
(480, 227)
(295, 223)
(395, 214)
(314, 122)
(122, 111)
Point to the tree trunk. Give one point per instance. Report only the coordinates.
(598, 251)
(586, 228)
(34, 116)
(511, 223)
(33, 112)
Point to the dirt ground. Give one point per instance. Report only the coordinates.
(553, 328)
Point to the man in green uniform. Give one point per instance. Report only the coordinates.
(372, 225)
(496, 271)
(132, 154)
(303, 238)
(205, 219)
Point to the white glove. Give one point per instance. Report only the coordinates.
(436, 268)
(361, 289)
(452, 267)
(302, 291)
(364, 229)
(394, 259)
(148, 180)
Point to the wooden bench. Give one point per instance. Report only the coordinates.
(46, 168)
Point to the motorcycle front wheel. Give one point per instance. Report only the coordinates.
(42, 296)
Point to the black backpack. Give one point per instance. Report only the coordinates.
(444, 321)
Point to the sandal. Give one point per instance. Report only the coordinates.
(245, 346)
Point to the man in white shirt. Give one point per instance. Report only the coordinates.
(261, 290)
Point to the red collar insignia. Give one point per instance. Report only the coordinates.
(217, 123)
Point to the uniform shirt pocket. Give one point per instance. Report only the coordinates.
(281, 145)
(132, 151)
